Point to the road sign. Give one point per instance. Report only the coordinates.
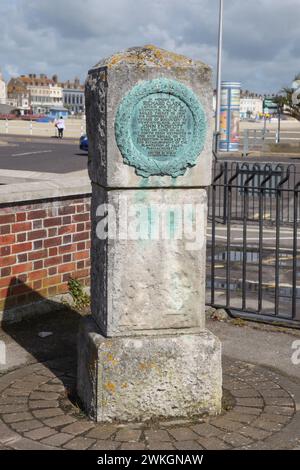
(270, 106)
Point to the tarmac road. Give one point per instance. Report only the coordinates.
(41, 155)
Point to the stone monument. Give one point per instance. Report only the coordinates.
(144, 353)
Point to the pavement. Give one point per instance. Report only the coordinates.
(39, 409)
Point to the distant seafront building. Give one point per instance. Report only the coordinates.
(39, 94)
(73, 96)
(45, 93)
(35, 94)
(18, 96)
(2, 90)
(251, 105)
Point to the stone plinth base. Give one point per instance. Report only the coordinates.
(144, 377)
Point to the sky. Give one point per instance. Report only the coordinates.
(67, 37)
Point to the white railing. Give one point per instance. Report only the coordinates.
(74, 128)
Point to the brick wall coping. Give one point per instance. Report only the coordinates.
(33, 191)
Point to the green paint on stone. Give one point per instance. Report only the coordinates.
(160, 128)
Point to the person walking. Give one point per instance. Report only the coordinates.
(60, 125)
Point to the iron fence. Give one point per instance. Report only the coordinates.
(253, 253)
(261, 185)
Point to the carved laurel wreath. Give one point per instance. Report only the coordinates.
(145, 166)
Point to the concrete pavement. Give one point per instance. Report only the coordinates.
(39, 408)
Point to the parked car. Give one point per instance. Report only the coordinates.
(84, 143)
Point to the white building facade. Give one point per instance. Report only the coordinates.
(44, 97)
(251, 107)
(2, 90)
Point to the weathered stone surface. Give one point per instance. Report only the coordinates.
(141, 286)
(220, 315)
(122, 72)
(139, 378)
(147, 354)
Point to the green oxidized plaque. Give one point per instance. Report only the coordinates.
(160, 128)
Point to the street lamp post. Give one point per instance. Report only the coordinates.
(219, 76)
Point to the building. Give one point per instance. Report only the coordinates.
(45, 93)
(251, 105)
(73, 97)
(39, 93)
(2, 90)
(18, 96)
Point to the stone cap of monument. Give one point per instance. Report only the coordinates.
(149, 56)
(107, 86)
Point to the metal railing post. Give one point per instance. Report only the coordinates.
(295, 252)
(246, 143)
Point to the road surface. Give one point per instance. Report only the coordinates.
(41, 155)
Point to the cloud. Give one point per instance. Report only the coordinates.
(261, 37)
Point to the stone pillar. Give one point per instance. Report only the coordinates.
(145, 353)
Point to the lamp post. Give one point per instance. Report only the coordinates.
(219, 75)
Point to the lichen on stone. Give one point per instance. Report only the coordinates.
(148, 55)
(110, 387)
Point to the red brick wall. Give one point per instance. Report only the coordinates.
(42, 245)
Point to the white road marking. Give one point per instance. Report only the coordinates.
(31, 153)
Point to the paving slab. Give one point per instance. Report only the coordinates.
(38, 408)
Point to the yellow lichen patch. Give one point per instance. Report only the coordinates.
(110, 387)
(124, 385)
(112, 359)
(115, 59)
(168, 59)
(149, 54)
(147, 365)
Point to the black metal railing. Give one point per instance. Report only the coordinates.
(260, 180)
(253, 241)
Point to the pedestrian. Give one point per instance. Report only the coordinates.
(60, 125)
